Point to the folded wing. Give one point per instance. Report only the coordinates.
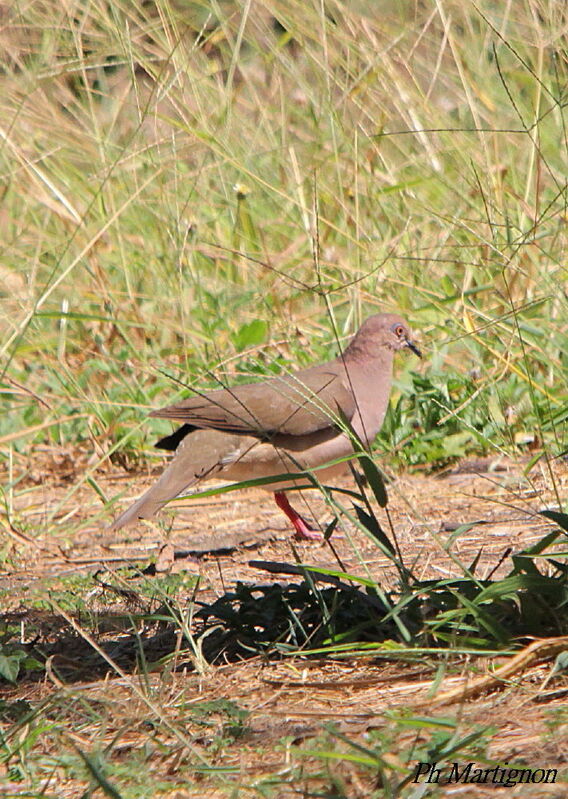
(292, 405)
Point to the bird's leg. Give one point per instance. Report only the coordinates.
(302, 528)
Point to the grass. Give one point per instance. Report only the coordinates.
(194, 192)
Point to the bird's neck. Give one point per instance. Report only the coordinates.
(370, 379)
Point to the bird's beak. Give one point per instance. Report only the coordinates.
(411, 345)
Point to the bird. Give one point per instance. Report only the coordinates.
(290, 424)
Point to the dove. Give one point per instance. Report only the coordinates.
(291, 424)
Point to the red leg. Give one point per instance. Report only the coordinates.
(302, 528)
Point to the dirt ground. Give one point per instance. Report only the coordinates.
(59, 531)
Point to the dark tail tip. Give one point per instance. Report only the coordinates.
(173, 441)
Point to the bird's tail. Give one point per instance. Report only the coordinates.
(199, 456)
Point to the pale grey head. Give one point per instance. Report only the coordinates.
(383, 331)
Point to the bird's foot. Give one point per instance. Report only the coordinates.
(304, 531)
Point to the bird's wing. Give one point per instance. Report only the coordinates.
(292, 405)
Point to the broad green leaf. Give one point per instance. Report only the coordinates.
(251, 334)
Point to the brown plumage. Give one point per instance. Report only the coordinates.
(285, 424)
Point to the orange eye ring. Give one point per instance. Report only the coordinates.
(399, 331)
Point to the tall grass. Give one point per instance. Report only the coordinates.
(193, 189)
(173, 172)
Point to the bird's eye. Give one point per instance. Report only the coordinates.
(399, 331)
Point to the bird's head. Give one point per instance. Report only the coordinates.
(384, 330)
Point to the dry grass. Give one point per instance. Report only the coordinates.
(263, 721)
(227, 189)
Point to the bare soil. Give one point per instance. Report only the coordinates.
(57, 531)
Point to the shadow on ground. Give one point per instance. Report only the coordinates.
(273, 620)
